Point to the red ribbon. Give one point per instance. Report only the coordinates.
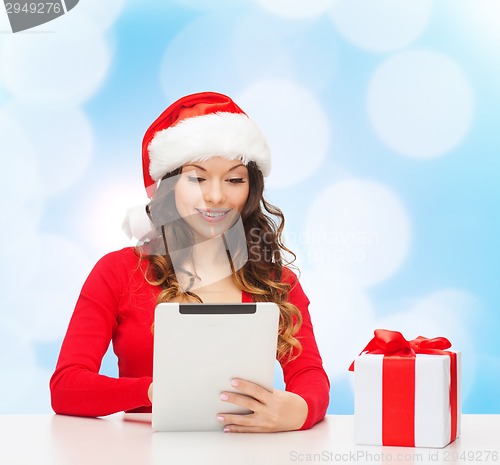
(398, 382)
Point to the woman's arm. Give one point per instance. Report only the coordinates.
(307, 394)
(305, 374)
(76, 386)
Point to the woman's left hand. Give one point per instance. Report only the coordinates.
(271, 411)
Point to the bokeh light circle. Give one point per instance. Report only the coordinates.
(420, 103)
(381, 25)
(358, 229)
(68, 65)
(64, 143)
(295, 125)
(297, 9)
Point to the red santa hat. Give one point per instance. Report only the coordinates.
(195, 128)
(198, 127)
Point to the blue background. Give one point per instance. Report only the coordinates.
(383, 121)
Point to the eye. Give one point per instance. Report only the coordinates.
(236, 180)
(195, 179)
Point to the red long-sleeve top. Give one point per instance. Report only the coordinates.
(117, 304)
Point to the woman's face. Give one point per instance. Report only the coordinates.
(210, 195)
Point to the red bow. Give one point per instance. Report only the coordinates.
(394, 343)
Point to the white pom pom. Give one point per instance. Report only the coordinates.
(137, 223)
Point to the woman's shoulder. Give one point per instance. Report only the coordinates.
(296, 293)
(124, 260)
(127, 254)
(289, 276)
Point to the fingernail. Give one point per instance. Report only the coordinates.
(224, 396)
(227, 430)
(220, 418)
(235, 382)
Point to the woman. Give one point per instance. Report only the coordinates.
(204, 238)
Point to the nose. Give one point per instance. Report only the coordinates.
(214, 193)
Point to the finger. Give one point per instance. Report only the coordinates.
(245, 429)
(232, 419)
(252, 389)
(241, 400)
(241, 424)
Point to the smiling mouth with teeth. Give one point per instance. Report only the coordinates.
(213, 214)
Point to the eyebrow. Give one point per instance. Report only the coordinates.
(203, 169)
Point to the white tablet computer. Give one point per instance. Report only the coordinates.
(198, 350)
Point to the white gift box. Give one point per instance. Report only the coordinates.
(432, 425)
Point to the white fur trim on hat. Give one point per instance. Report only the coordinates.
(229, 135)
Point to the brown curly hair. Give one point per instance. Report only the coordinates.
(261, 274)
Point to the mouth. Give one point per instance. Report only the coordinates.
(213, 214)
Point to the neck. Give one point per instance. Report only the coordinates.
(209, 254)
(209, 263)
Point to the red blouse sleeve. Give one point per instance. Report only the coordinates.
(305, 375)
(76, 386)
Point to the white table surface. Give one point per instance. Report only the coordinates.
(119, 439)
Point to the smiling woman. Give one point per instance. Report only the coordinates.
(196, 212)
(208, 235)
(211, 194)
